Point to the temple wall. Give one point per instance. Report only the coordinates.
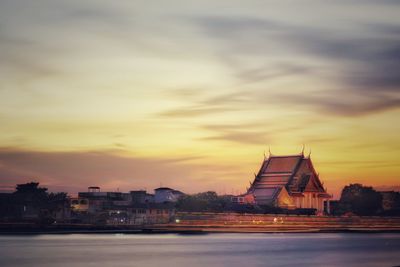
(285, 200)
(309, 202)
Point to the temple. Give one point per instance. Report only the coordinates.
(288, 182)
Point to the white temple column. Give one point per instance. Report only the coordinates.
(328, 207)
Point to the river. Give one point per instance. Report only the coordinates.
(336, 249)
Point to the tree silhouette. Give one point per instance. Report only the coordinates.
(36, 199)
(360, 200)
(30, 193)
(206, 201)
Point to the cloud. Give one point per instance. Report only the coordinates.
(240, 136)
(355, 57)
(369, 64)
(206, 104)
(360, 164)
(184, 93)
(270, 72)
(246, 133)
(341, 102)
(363, 63)
(74, 171)
(192, 111)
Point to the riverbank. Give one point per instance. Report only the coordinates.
(184, 230)
(192, 223)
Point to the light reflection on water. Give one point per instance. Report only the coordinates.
(201, 250)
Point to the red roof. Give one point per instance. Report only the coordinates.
(281, 164)
(295, 172)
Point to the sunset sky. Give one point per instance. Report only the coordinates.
(190, 94)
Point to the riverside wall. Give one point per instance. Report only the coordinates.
(279, 222)
(203, 222)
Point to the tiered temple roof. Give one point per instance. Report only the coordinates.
(294, 173)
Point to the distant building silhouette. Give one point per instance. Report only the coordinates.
(166, 194)
(131, 208)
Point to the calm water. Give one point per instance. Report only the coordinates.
(201, 250)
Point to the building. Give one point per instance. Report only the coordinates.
(141, 213)
(141, 196)
(287, 182)
(94, 200)
(79, 204)
(118, 208)
(7, 207)
(390, 200)
(166, 194)
(332, 207)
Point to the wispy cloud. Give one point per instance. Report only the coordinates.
(193, 111)
(248, 134)
(271, 72)
(207, 104)
(341, 102)
(368, 164)
(363, 65)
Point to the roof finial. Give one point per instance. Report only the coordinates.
(269, 151)
(309, 154)
(302, 150)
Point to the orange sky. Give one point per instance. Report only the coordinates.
(189, 95)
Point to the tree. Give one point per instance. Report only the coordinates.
(30, 188)
(30, 193)
(56, 202)
(360, 200)
(205, 201)
(37, 202)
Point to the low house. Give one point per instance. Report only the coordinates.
(141, 196)
(166, 194)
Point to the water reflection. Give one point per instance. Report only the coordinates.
(201, 250)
